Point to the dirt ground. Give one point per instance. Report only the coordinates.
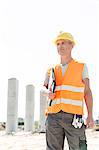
(29, 141)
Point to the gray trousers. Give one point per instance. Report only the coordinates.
(59, 126)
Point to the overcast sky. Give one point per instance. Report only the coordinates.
(27, 30)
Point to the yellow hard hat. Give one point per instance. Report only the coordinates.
(64, 36)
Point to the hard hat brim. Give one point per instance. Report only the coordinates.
(57, 39)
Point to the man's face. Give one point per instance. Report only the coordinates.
(64, 47)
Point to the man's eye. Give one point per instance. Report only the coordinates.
(62, 43)
(57, 44)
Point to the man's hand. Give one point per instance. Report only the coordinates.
(51, 95)
(89, 122)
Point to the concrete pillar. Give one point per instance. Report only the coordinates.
(12, 106)
(29, 108)
(43, 106)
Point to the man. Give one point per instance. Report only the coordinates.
(72, 87)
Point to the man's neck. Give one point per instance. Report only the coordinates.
(65, 59)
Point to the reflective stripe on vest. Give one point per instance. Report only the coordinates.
(67, 101)
(69, 88)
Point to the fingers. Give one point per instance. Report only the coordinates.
(51, 95)
(90, 125)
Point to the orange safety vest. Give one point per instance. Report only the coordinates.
(69, 89)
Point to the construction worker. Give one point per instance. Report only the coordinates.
(64, 114)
